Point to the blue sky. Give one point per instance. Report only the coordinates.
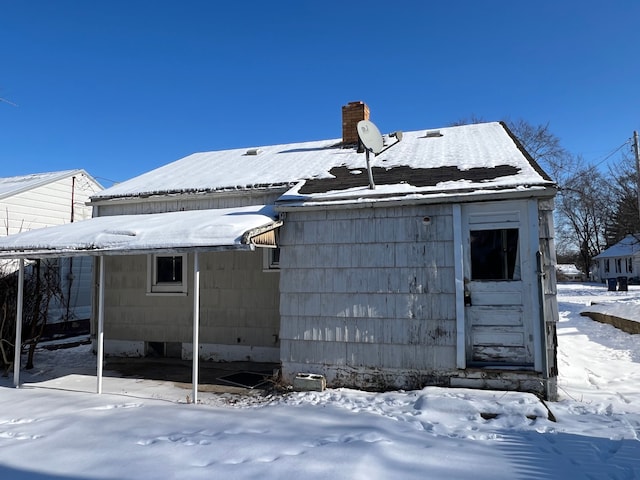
(121, 87)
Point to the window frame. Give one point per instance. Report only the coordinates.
(165, 288)
(269, 261)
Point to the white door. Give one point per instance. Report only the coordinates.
(500, 284)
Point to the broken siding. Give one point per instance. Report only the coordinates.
(239, 304)
(368, 289)
(550, 307)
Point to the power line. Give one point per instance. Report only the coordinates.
(7, 101)
(616, 150)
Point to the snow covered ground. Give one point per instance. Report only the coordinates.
(54, 428)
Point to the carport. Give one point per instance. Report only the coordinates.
(193, 231)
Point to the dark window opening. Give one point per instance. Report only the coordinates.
(169, 269)
(495, 255)
(275, 257)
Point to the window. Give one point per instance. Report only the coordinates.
(495, 255)
(629, 265)
(606, 265)
(618, 265)
(271, 259)
(167, 274)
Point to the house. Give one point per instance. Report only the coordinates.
(40, 200)
(620, 260)
(440, 271)
(568, 273)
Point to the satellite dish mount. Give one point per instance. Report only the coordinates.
(372, 140)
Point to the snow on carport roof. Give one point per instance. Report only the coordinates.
(122, 234)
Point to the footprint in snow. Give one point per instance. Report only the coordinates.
(122, 405)
(17, 421)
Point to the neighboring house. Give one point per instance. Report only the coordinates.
(41, 200)
(443, 274)
(569, 273)
(619, 260)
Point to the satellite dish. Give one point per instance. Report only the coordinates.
(370, 136)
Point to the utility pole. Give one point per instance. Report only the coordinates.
(636, 151)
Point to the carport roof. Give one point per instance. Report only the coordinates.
(203, 230)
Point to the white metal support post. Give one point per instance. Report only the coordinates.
(196, 326)
(100, 336)
(18, 344)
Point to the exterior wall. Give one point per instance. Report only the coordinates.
(75, 285)
(47, 205)
(625, 266)
(56, 203)
(238, 308)
(184, 202)
(368, 296)
(368, 299)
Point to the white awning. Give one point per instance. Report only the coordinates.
(201, 230)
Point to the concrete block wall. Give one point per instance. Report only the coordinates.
(239, 304)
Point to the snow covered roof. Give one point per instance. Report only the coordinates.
(13, 185)
(462, 158)
(222, 229)
(628, 246)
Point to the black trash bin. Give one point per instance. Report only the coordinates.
(623, 284)
(612, 283)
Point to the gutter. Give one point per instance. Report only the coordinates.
(416, 199)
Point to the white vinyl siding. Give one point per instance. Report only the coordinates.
(47, 205)
(56, 203)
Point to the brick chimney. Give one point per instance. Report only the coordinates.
(352, 113)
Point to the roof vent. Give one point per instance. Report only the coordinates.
(432, 134)
(254, 151)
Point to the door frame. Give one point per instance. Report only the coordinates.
(529, 227)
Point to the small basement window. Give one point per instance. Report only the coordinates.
(495, 255)
(167, 274)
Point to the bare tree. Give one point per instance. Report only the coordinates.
(585, 208)
(41, 288)
(625, 220)
(545, 148)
